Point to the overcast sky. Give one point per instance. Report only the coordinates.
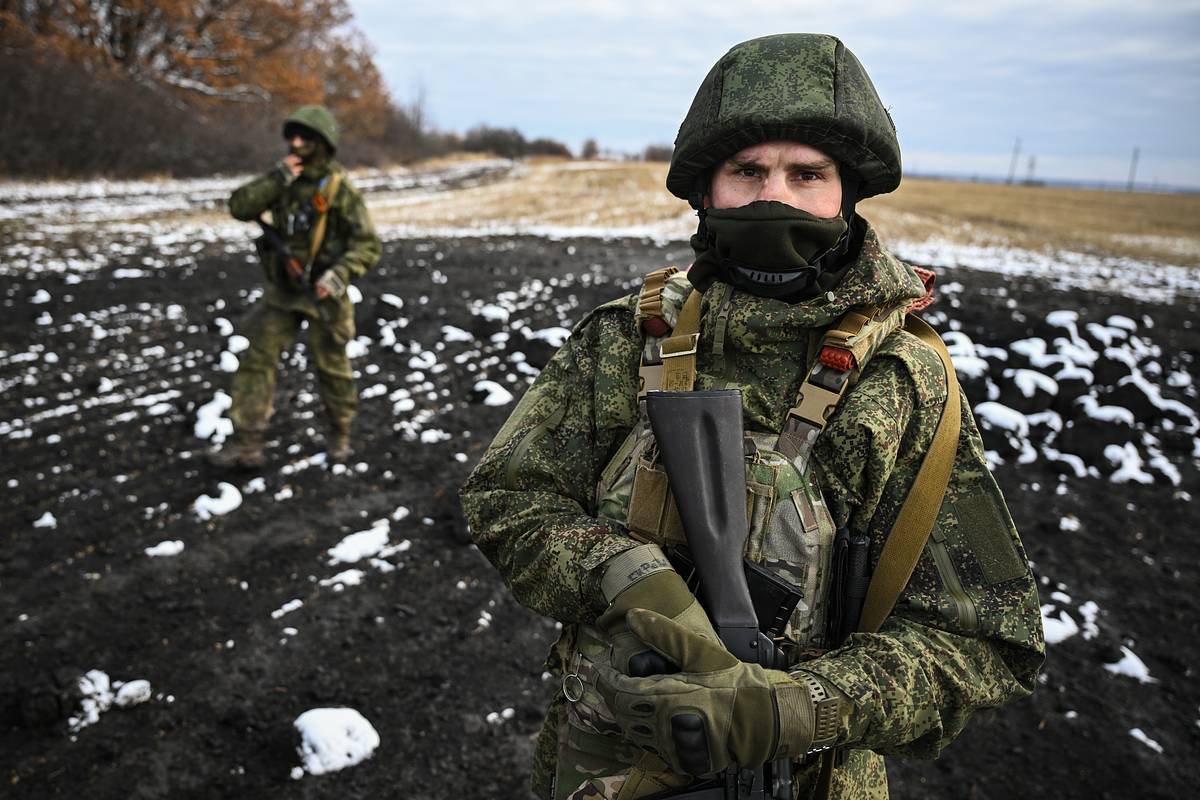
(1080, 83)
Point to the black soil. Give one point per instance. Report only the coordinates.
(405, 647)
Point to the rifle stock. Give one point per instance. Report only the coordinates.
(699, 436)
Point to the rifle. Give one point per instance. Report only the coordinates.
(297, 273)
(700, 440)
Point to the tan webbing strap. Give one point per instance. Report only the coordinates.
(321, 203)
(823, 386)
(906, 540)
(679, 351)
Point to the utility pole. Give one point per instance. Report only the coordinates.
(1132, 170)
(1029, 176)
(1012, 168)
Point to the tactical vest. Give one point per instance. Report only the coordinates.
(302, 220)
(791, 529)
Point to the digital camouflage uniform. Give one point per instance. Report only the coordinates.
(350, 248)
(548, 507)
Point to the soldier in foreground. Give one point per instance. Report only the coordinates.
(320, 238)
(793, 301)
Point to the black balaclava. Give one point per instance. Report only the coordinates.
(770, 249)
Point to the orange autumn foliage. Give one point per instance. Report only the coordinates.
(210, 53)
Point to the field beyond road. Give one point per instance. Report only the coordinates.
(1157, 228)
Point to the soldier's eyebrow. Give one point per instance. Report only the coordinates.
(750, 162)
(819, 165)
(744, 163)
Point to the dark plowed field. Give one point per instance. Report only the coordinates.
(103, 378)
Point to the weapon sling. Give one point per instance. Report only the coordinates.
(322, 202)
(913, 524)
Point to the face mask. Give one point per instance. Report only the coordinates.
(766, 248)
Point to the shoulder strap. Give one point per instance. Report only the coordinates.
(908, 535)
(837, 359)
(679, 350)
(321, 202)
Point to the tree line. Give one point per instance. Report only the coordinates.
(193, 87)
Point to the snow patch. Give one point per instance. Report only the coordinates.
(165, 548)
(1058, 629)
(1131, 666)
(333, 739)
(360, 545)
(1138, 734)
(206, 507)
(210, 420)
(497, 395)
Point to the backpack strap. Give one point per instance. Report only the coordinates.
(321, 202)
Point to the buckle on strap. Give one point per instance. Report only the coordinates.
(680, 346)
(815, 404)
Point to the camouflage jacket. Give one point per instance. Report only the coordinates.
(350, 247)
(966, 634)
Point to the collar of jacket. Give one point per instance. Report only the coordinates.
(763, 325)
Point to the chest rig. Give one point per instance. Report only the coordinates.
(792, 532)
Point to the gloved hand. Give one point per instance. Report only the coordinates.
(643, 578)
(717, 711)
(330, 284)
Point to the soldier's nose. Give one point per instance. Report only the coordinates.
(772, 189)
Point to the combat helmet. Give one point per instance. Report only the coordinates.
(316, 118)
(801, 86)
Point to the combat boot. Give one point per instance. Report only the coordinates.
(338, 446)
(242, 450)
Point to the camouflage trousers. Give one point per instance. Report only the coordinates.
(270, 330)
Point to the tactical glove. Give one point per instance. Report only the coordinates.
(643, 578)
(718, 711)
(331, 282)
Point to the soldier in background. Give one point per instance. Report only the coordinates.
(784, 137)
(320, 238)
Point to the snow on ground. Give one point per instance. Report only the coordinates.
(99, 694)
(287, 608)
(1131, 666)
(1063, 270)
(1138, 734)
(332, 739)
(360, 545)
(1057, 628)
(205, 507)
(165, 548)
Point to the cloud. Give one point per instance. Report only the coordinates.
(960, 76)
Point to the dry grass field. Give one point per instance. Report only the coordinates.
(1148, 227)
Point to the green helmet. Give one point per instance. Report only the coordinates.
(316, 118)
(800, 86)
